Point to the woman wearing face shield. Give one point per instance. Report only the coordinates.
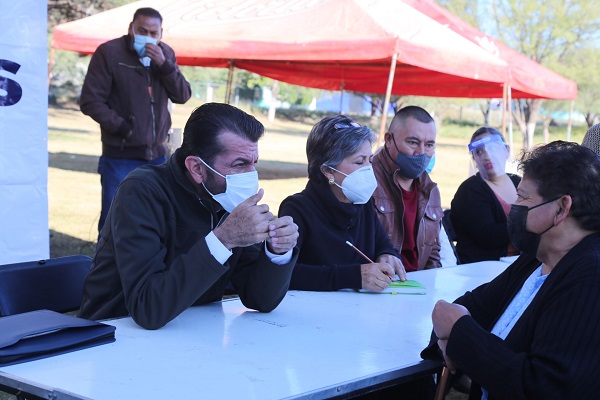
(532, 332)
(481, 204)
(334, 209)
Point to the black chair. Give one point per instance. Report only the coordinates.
(447, 224)
(55, 284)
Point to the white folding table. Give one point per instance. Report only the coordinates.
(314, 345)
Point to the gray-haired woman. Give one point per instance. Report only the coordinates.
(335, 208)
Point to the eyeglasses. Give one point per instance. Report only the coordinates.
(351, 124)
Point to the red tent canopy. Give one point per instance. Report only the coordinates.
(329, 44)
(335, 44)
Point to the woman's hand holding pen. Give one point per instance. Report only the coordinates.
(376, 276)
(395, 263)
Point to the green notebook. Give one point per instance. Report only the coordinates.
(398, 287)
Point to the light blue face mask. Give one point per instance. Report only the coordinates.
(431, 164)
(139, 43)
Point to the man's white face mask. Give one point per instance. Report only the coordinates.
(239, 188)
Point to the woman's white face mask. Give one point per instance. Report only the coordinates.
(239, 188)
(358, 187)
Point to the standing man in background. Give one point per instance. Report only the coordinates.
(407, 201)
(126, 90)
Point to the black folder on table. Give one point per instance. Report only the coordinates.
(44, 333)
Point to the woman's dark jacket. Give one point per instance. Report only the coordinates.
(325, 261)
(479, 221)
(552, 352)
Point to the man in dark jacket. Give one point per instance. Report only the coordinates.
(126, 90)
(181, 233)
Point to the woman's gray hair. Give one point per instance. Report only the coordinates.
(331, 140)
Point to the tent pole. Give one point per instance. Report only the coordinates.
(510, 126)
(50, 65)
(504, 105)
(229, 82)
(388, 94)
(570, 120)
(342, 98)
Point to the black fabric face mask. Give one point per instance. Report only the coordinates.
(525, 241)
(411, 166)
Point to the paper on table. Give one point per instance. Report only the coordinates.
(398, 287)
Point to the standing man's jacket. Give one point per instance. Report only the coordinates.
(388, 202)
(130, 101)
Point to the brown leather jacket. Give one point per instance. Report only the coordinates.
(387, 200)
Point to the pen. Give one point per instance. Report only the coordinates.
(360, 252)
(364, 255)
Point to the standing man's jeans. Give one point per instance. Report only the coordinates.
(112, 172)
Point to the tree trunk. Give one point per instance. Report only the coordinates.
(272, 105)
(589, 118)
(546, 124)
(526, 114)
(485, 110)
(519, 117)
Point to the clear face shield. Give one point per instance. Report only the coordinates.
(489, 155)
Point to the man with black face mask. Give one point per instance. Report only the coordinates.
(129, 83)
(407, 200)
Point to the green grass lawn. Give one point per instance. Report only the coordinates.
(74, 185)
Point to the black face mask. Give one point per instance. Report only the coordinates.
(521, 238)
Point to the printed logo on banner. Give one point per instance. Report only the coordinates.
(23, 131)
(10, 91)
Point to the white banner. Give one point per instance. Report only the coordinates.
(24, 232)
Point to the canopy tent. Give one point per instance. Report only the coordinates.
(528, 79)
(404, 47)
(328, 44)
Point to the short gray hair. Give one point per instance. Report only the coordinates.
(331, 140)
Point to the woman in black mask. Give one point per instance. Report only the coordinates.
(532, 332)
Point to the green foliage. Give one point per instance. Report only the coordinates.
(581, 65)
(545, 30)
(551, 32)
(467, 10)
(61, 11)
(66, 76)
(67, 69)
(292, 94)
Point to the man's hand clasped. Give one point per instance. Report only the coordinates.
(251, 223)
